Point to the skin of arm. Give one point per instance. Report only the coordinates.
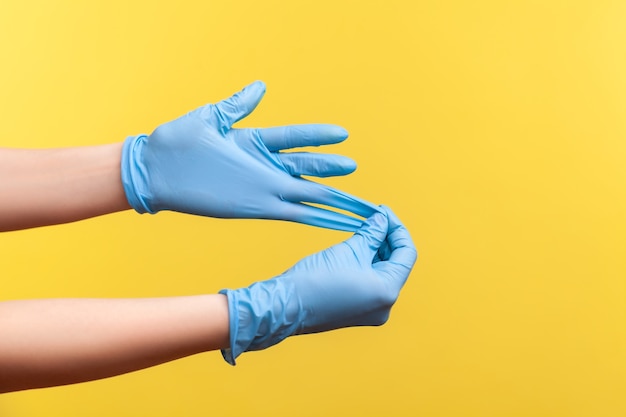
(40, 187)
(51, 342)
(54, 342)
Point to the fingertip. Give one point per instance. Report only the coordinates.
(341, 133)
(348, 166)
(257, 85)
(335, 165)
(255, 91)
(330, 134)
(229, 111)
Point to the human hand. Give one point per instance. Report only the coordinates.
(200, 164)
(354, 283)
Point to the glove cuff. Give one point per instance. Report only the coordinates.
(134, 174)
(261, 316)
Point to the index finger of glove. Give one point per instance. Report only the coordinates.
(295, 136)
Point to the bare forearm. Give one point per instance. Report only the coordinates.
(51, 186)
(63, 341)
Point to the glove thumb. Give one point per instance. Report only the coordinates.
(239, 105)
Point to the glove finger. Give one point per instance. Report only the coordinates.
(369, 238)
(394, 221)
(403, 253)
(229, 111)
(312, 192)
(318, 165)
(316, 216)
(287, 137)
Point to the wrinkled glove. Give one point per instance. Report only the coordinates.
(354, 283)
(199, 164)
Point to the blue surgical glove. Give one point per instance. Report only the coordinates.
(200, 164)
(354, 283)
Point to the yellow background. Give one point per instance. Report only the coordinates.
(495, 129)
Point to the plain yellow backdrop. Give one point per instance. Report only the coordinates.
(495, 129)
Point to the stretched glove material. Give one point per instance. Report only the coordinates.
(354, 283)
(199, 164)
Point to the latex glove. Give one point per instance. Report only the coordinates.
(354, 283)
(199, 164)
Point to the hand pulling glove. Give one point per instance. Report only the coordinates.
(354, 283)
(199, 164)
